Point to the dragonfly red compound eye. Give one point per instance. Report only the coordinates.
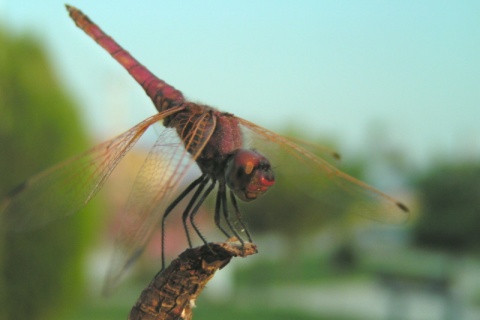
(249, 174)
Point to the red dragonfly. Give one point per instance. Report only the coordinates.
(222, 145)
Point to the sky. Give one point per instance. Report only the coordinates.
(357, 72)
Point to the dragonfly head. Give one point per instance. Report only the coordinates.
(248, 174)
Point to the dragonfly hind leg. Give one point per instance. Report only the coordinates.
(172, 205)
(194, 212)
(202, 182)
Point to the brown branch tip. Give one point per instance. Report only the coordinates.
(172, 292)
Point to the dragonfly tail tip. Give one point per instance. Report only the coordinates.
(402, 207)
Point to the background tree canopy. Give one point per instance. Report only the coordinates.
(450, 197)
(40, 270)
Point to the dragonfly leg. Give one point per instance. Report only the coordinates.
(172, 206)
(239, 215)
(194, 212)
(190, 204)
(223, 194)
(218, 205)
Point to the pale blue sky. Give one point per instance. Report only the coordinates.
(333, 68)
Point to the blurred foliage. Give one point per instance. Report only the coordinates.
(450, 198)
(311, 270)
(40, 270)
(262, 311)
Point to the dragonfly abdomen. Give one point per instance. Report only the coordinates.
(162, 94)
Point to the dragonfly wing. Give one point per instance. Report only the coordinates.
(65, 188)
(153, 190)
(335, 190)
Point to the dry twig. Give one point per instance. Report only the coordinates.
(172, 292)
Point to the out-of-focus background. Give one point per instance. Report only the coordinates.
(393, 86)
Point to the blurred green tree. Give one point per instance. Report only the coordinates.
(450, 200)
(40, 270)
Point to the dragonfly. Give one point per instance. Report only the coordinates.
(230, 152)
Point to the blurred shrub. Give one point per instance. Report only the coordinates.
(451, 208)
(40, 270)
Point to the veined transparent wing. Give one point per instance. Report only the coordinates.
(153, 190)
(65, 188)
(335, 190)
